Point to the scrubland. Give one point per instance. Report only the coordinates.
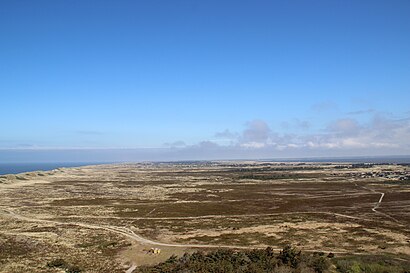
(106, 218)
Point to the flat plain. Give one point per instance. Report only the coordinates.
(107, 218)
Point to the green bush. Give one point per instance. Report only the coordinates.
(320, 264)
(60, 263)
(57, 263)
(229, 261)
(375, 265)
(290, 256)
(72, 269)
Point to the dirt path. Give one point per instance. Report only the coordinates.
(218, 216)
(378, 203)
(132, 235)
(119, 230)
(132, 268)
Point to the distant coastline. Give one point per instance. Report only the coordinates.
(15, 168)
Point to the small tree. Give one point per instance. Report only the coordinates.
(321, 264)
(289, 256)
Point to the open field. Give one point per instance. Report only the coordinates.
(104, 218)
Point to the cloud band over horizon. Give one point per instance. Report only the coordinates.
(380, 135)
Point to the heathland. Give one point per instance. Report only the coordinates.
(112, 218)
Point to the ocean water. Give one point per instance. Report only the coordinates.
(13, 168)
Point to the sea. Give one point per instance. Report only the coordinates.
(14, 168)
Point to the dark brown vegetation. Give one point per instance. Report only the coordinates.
(288, 260)
(256, 260)
(313, 206)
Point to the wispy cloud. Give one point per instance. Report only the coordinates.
(361, 112)
(381, 135)
(175, 144)
(226, 134)
(296, 124)
(256, 134)
(343, 127)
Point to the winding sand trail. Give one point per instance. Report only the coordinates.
(132, 235)
(376, 206)
(378, 203)
(131, 269)
(218, 216)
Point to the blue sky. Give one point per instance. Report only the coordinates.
(205, 79)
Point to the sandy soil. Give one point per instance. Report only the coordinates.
(88, 215)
